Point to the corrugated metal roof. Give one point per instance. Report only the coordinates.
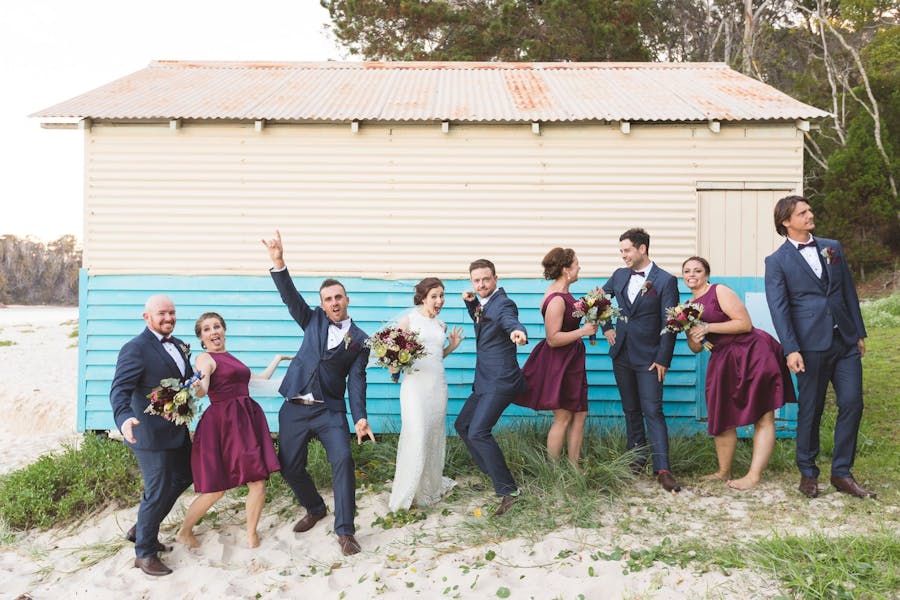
(435, 91)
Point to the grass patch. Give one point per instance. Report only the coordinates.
(883, 312)
(59, 489)
(6, 343)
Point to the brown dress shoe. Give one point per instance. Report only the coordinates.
(809, 486)
(307, 522)
(131, 536)
(848, 485)
(667, 480)
(348, 545)
(152, 566)
(506, 503)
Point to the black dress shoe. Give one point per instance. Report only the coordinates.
(809, 486)
(307, 522)
(667, 480)
(152, 566)
(848, 485)
(348, 545)
(506, 503)
(131, 536)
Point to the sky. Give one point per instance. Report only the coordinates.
(53, 50)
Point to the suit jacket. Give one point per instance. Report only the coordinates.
(805, 308)
(142, 364)
(496, 366)
(315, 369)
(638, 333)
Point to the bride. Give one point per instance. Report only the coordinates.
(423, 404)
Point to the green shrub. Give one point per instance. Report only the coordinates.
(58, 489)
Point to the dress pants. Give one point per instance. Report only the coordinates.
(298, 424)
(474, 423)
(841, 364)
(166, 474)
(641, 393)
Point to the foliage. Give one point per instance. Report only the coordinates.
(59, 489)
(35, 273)
(511, 30)
(884, 312)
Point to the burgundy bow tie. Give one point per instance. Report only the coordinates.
(167, 340)
(638, 273)
(812, 244)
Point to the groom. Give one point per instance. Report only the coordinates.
(640, 355)
(331, 359)
(815, 310)
(497, 376)
(162, 449)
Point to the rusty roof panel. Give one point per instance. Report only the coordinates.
(435, 91)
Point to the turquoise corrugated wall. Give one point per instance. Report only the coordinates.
(110, 308)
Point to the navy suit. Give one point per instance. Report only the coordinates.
(163, 449)
(820, 318)
(325, 374)
(498, 380)
(638, 345)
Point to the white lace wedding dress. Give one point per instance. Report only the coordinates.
(418, 477)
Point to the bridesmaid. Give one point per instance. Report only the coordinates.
(747, 377)
(555, 370)
(232, 445)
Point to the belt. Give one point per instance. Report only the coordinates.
(304, 401)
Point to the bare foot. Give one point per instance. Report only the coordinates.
(187, 538)
(744, 483)
(716, 476)
(252, 540)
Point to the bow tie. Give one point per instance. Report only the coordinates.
(812, 244)
(337, 325)
(638, 273)
(167, 340)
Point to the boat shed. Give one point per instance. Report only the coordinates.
(381, 173)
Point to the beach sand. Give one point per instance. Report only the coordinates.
(427, 559)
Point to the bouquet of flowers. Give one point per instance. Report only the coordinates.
(682, 317)
(595, 307)
(173, 400)
(396, 349)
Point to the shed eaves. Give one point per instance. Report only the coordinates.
(435, 91)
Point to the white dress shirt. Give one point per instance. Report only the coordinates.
(337, 332)
(637, 282)
(172, 351)
(811, 255)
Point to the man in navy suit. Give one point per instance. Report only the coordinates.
(640, 355)
(332, 359)
(497, 376)
(815, 311)
(162, 449)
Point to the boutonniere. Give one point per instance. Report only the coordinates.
(348, 339)
(830, 255)
(185, 349)
(479, 313)
(648, 285)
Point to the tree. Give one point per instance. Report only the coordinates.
(34, 273)
(485, 30)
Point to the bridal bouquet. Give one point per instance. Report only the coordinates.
(397, 349)
(682, 317)
(173, 400)
(595, 307)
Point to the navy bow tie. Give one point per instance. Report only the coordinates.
(812, 244)
(638, 273)
(167, 340)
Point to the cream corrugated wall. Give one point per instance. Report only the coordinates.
(407, 200)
